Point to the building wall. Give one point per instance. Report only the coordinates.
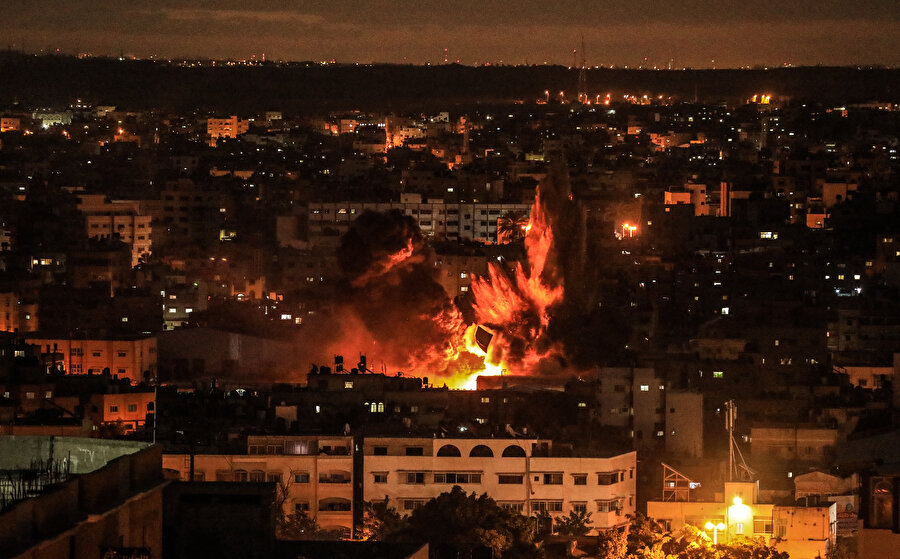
(684, 423)
(128, 410)
(124, 358)
(435, 219)
(16, 315)
(9, 124)
(315, 482)
(133, 230)
(792, 443)
(118, 506)
(804, 532)
(230, 127)
(531, 483)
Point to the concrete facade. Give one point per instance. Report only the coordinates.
(520, 474)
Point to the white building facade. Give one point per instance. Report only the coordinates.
(520, 474)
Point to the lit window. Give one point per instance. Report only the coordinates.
(718, 374)
(645, 388)
(348, 384)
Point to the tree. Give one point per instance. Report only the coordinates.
(648, 540)
(612, 544)
(380, 520)
(511, 227)
(576, 524)
(456, 524)
(297, 526)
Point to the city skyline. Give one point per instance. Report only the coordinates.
(637, 34)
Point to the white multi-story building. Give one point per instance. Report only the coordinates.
(313, 474)
(520, 474)
(121, 219)
(476, 221)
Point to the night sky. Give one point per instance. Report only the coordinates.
(691, 33)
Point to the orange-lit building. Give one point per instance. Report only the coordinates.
(10, 124)
(803, 532)
(125, 358)
(17, 315)
(119, 219)
(230, 127)
(126, 410)
(313, 474)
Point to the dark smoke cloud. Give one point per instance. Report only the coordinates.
(390, 285)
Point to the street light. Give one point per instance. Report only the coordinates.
(715, 528)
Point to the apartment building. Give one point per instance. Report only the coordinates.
(126, 357)
(524, 475)
(121, 219)
(230, 127)
(313, 474)
(437, 219)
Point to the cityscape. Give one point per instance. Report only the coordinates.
(432, 299)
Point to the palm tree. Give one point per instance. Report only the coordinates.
(511, 226)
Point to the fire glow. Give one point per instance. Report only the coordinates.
(511, 312)
(393, 309)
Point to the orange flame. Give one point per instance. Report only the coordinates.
(515, 306)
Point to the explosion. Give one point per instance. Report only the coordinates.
(392, 307)
(516, 307)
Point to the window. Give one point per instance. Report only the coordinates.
(112, 409)
(122, 354)
(301, 507)
(380, 477)
(553, 479)
(240, 475)
(77, 351)
(481, 451)
(738, 527)
(645, 388)
(257, 476)
(453, 477)
(579, 479)
(516, 506)
(485, 400)
(132, 407)
(348, 384)
(414, 451)
(546, 506)
(510, 479)
(579, 507)
(762, 525)
(448, 450)
(413, 504)
(718, 374)
(380, 451)
(609, 505)
(301, 477)
(274, 477)
(415, 478)
(607, 478)
(95, 354)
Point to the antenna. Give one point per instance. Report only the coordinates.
(735, 470)
(582, 76)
